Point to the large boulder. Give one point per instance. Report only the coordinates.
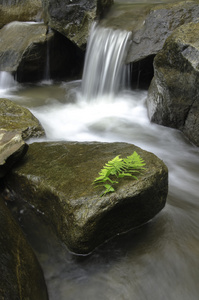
(12, 149)
(55, 179)
(160, 21)
(151, 24)
(173, 98)
(73, 18)
(20, 10)
(32, 52)
(16, 118)
(21, 275)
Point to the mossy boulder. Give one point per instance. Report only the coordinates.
(21, 275)
(55, 179)
(16, 118)
(173, 98)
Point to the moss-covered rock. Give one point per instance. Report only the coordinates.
(16, 118)
(173, 98)
(56, 180)
(21, 275)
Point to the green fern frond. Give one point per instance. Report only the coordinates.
(119, 168)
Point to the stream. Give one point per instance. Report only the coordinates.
(159, 261)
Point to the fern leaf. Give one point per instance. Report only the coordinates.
(119, 168)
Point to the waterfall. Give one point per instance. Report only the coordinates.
(6, 80)
(105, 62)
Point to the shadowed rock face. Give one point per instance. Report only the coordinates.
(21, 275)
(173, 98)
(16, 118)
(56, 179)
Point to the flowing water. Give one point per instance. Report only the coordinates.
(161, 260)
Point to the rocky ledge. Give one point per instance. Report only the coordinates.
(54, 180)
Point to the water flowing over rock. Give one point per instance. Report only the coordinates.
(12, 148)
(73, 18)
(173, 98)
(150, 25)
(21, 274)
(21, 10)
(56, 180)
(103, 73)
(16, 118)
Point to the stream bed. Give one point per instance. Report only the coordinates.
(159, 261)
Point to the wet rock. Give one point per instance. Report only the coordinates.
(173, 98)
(21, 274)
(16, 118)
(55, 179)
(160, 21)
(20, 10)
(73, 18)
(32, 52)
(151, 24)
(12, 149)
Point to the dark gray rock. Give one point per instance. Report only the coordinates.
(12, 149)
(73, 18)
(173, 98)
(21, 274)
(55, 179)
(16, 118)
(160, 21)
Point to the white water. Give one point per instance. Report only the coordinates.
(7, 81)
(105, 62)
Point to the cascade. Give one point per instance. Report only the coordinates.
(105, 62)
(6, 80)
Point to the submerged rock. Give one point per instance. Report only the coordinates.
(16, 118)
(55, 179)
(173, 98)
(21, 274)
(12, 149)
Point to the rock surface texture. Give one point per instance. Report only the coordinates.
(20, 10)
(173, 98)
(74, 18)
(56, 179)
(20, 273)
(16, 118)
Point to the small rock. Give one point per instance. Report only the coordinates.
(12, 149)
